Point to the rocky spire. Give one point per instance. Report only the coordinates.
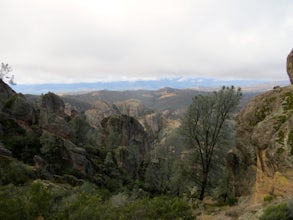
(290, 66)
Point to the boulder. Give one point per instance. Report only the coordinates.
(290, 66)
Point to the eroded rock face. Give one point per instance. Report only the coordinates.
(126, 136)
(18, 107)
(52, 116)
(62, 154)
(133, 108)
(99, 111)
(290, 66)
(5, 92)
(262, 161)
(123, 130)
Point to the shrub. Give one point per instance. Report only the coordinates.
(25, 202)
(268, 198)
(231, 201)
(281, 211)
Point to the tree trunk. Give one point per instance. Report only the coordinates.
(203, 185)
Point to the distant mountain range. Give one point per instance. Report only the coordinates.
(177, 83)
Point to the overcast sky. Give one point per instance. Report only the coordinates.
(108, 40)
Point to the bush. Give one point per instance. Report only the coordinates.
(281, 211)
(25, 202)
(231, 201)
(45, 200)
(12, 171)
(268, 198)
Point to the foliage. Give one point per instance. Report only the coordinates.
(30, 202)
(23, 147)
(287, 101)
(281, 211)
(203, 126)
(231, 201)
(5, 74)
(44, 200)
(268, 198)
(12, 171)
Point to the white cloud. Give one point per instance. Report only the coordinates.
(94, 40)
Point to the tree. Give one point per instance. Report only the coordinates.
(5, 74)
(203, 126)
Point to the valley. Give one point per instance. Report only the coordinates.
(124, 152)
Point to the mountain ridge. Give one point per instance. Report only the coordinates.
(177, 83)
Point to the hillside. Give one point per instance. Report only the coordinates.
(122, 152)
(174, 100)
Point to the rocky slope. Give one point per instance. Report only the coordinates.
(261, 163)
(57, 140)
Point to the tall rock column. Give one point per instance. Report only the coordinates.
(290, 66)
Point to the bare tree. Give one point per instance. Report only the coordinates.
(203, 126)
(5, 74)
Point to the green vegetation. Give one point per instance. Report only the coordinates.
(268, 198)
(42, 200)
(262, 112)
(283, 211)
(287, 101)
(280, 120)
(204, 126)
(290, 142)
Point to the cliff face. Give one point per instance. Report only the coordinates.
(290, 66)
(126, 136)
(262, 161)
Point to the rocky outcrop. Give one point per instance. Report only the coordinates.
(52, 116)
(18, 107)
(128, 139)
(123, 130)
(53, 104)
(290, 66)
(61, 155)
(5, 92)
(100, 110)
(133, 108)
(262, 161)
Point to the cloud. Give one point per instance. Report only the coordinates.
(95, 40)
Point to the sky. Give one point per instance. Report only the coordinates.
(66, 41)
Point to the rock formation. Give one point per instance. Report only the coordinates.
(290, 66)
(5, 92)
(52, 116)
(100, 110)
(261, 163)
(133, 108)
(127, 137)
(123, 130)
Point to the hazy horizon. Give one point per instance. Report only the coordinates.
(176, 83)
